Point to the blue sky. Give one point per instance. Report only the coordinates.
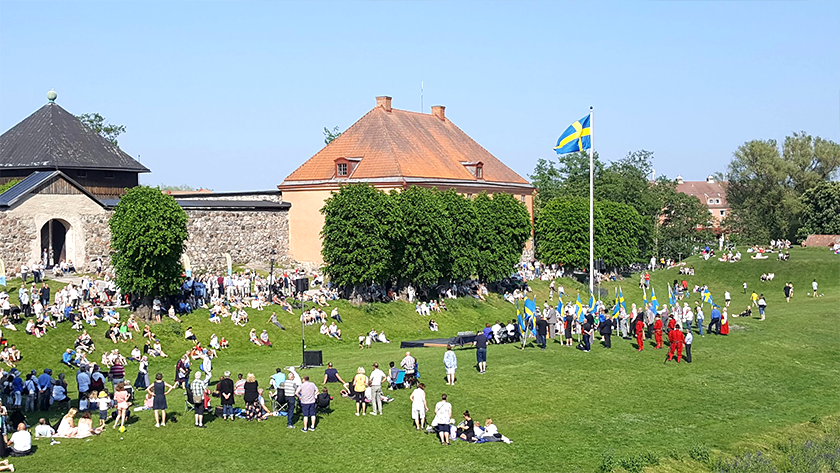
(235, 95)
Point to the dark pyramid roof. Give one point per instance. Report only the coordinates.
(53, 138)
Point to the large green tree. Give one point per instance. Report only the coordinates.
(148, 230)
(684, 224)
(97, 123)
(562, 232)
(463, 253)
(356, 236)
(821, 213)
(622, 234)
(503, 227)
(425, 235)
(766, 184)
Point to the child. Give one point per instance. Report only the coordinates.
(104, 402)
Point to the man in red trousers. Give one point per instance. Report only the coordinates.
(657, 331)
(640, 333)
(676, 339)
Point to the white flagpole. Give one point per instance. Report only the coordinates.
(591, 209)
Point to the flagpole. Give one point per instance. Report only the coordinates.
(591, 209)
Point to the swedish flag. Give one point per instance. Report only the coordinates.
(579, 308)
(654, 304)
(575, 138)
(621, 299)
(707, 297)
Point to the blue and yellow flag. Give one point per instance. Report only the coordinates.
(591, 302)
(575, 138)
(530, 314)
(654, 304)
(621, 299)
(579, 309)
(672, 299)
(707, 297)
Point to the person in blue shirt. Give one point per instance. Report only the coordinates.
(45, 383)
(17, 388)
(67, 358)
(715, 321)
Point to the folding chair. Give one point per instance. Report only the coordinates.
(189, 405)
(400, 380)
(279, 402)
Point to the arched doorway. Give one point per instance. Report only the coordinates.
(54, 242)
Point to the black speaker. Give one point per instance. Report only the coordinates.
(312, 358)
(301, 284)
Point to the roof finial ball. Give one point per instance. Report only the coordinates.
(51, 95)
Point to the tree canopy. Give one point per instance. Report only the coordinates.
(330, 135)
(148, 231)
(821, 210)
(766, 185)
(420, 236)
(97, 123)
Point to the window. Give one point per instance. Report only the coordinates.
(81, 174)
(722, 213)
(717, 201)
(341, 169)
(711, 201)
(479, 172)
(522, 197)
(469, 196)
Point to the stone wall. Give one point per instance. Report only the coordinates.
(17, 235)
(271, 196)
(249, 236)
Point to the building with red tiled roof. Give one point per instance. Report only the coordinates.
(392, 149)
(711, 193)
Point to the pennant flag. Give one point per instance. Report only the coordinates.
(575, 138)
(653, 302)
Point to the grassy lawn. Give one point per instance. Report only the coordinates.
(562, 408)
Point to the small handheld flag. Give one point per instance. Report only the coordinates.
(575, 138)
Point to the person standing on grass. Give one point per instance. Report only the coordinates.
(443, 416)
(360, 382)
(700, 317)
(289, 388)
(640, 333)
(419, 408)
(159, 389)
(715, 321)
(788, 291)
(197, 387)
(605, 329)
(450, 362)
(689, 338)
(762, 306)
(814, 286)
(377, 376)
(657, 332)
(307, 392)
(745, 287)
(480, 345)
(542, 332)
(675, 343)
(226, 396)
(727, 297)
(121, 398)
(588, 330)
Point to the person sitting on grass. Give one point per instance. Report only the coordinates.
(189, 335)
(20, 442)
(67, 428)
(43, 429)
(264, 338)
(67, 358)
(334, 331)
(466, 429)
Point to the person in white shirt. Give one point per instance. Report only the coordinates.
(815, 286)
(20, 442)
(689, 338)
(443, 416)
(377, 376)
(419, 408)
(43, 429)
(727, 297)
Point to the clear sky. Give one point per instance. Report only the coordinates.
(235, 95)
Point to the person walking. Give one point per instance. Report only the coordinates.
(727, 297)
(762, 306)
(814, 286)
(377, 376)
(159, 389)
(745, 287)
(640, 333)
(715, 321)
(657, 332)
(121, 398)
(588, 330)
(700, 317)
(419, 408)
(450, 362)
(307, 392)
(675, 341)
(788, 291)
(689, 338)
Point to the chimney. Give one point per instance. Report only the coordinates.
(438, 111)
(385, 102)
(710, 179)
(679, 179)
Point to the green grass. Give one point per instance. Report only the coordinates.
(562, 408)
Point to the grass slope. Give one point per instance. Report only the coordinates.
(562, 408)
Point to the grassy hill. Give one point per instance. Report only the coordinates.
(564, 409)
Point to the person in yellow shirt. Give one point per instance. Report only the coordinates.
(754, 298)
(360, 382)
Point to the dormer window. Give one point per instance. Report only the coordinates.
(344, 167)
(476, 168)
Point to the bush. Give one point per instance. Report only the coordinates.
(637, 463)
(749, 463)
(608, 462)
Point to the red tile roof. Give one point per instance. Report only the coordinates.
(402, 144)
(705, 190)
